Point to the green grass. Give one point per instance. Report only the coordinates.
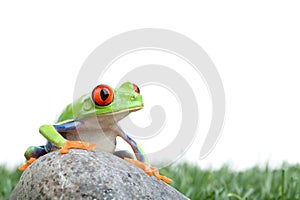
(8, 180)
(255, 183)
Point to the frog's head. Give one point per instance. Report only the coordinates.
(105, 100)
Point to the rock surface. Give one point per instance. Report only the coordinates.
(89, 175)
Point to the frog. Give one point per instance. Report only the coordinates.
(91, 122)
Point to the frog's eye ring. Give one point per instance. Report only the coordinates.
(136, 88)
(102, 95)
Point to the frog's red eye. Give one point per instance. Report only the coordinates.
(136, 88)
(102, 95)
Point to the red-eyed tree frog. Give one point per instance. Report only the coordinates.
(91, 122)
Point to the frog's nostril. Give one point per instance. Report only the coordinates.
(132, 97)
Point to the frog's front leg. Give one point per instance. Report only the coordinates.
(51, 133)
(141, 159)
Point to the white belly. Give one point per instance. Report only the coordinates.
(96, 132)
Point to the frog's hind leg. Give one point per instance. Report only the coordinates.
(123, 154)
(31, 154)
(141, 161)
(34, 152)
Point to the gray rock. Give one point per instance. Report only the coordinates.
(89, 175)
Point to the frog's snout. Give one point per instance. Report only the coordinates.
(136, 101)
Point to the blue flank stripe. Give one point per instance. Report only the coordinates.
(136, 147)
(65, 127)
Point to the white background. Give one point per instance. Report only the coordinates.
(255, 47)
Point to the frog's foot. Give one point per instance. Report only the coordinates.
(29, 162)
(149, 170)
(76, 145)
(123, 154)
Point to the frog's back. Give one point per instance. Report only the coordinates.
(67, 114)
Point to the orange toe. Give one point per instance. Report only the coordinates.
(29, 162)
(148, 170)
(166, 179)
(141, 165)
(76, 145)
(160, 177)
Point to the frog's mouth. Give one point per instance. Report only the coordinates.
(135, 109)
(125, 111)
(118, 115)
